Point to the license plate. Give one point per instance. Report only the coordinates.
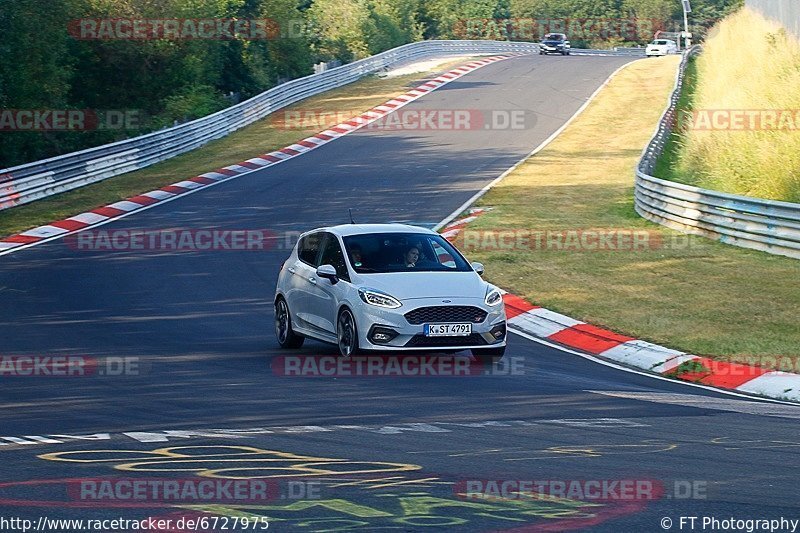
(448, 330)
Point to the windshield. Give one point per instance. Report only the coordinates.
(403, 252)
(554, 37)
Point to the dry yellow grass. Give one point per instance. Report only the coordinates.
(692, 294)
(748, 63)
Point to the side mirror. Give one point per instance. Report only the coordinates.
(477, 267)
(329, 272)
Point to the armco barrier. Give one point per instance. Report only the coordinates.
(32, 181)
(766, 225)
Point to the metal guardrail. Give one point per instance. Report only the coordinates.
(630, 50)
(766, 225)
(32, 181)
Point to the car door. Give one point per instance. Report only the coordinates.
(324, 295)
(302, 270)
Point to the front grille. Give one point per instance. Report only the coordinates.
(446, 313)
(421, 341)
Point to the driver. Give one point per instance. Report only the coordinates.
(411, 257)
(355, 256)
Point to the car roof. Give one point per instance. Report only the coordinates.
(345, 230)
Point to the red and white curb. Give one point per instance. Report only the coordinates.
(561, 329)
(114, 211)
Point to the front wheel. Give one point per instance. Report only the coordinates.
(283, 327)
(489, 355)
(347, 333)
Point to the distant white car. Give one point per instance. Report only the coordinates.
(661, 47)
(387, 287)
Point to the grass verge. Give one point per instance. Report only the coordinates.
(667, 165)
(687, 293)
(280, 129)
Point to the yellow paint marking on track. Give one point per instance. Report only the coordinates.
(364, 481)
(563, 452)
(171, 452)
(406, 482)
(240, 462)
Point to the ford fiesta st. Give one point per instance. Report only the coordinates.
(387, 287)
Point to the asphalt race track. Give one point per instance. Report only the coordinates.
(206, 400)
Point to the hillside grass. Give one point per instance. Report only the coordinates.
(748, 63)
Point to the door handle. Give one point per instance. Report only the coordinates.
(313, 281)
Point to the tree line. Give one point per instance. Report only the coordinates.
(140, 65)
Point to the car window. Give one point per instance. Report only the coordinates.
(308, 248)
(332, 255)
(403, 252)
(443, 256)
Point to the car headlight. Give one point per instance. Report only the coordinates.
(493, 297)
(378, 298)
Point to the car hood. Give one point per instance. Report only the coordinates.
(411, 285)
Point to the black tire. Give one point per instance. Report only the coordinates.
(542, 53)
(488, 355)
(287, 338)
(347, 333)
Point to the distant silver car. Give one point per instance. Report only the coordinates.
(387, 287)
(661, 47)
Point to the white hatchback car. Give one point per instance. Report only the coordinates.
(387, 287)
(661, 47)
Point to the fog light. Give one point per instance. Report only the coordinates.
(381, 334)
(499, 331)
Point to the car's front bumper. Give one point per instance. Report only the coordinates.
(412, 337)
